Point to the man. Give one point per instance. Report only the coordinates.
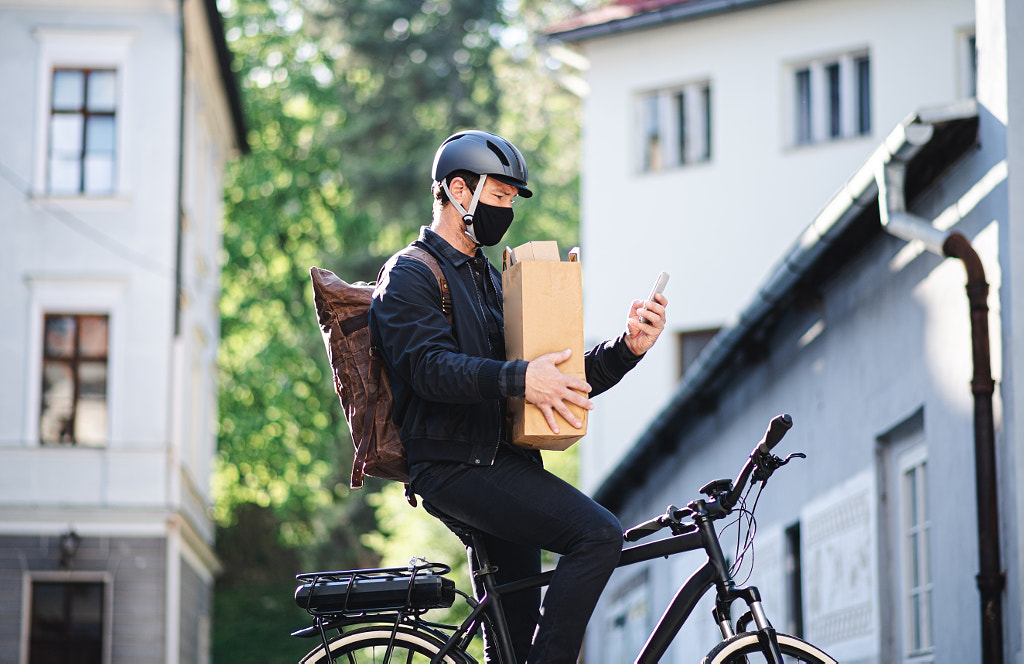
(451, 382)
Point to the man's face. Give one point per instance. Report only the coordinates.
(495, 193)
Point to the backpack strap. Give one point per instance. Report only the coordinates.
(376, 361)
(422, 255)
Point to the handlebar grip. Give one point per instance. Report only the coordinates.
(641, 530)
(777, 428)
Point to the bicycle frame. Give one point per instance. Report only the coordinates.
(713, 572)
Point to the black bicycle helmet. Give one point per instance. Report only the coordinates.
(483, 153)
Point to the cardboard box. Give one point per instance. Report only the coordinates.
(543, 314)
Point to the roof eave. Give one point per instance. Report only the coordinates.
(855, 197)
(653, 19)
(230, 83)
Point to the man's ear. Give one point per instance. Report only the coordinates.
(457, 187)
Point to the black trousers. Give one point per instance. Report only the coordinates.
(521, 508)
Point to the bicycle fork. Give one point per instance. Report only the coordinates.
(728, 592)
(766, 634)
(714, 572)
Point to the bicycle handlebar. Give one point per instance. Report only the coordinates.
(651, 526)
(777, 428)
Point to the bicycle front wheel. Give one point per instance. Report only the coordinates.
(370, 645)
(745, 649)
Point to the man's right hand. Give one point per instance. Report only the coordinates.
(551, 390)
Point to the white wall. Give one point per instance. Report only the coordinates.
(718, 227)
(894, 339)
(113, 254)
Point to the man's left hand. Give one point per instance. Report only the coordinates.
(641, 335)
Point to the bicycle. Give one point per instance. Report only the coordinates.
(378, 615)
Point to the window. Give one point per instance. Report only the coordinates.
(804, 133)
(691, 343)
(82, 134)
(74, 379)
(83, 110)
(627, 625)
(835, 128)
(968, 67)
(907, 620)
(831, 99)
(66, 622)
(863, 66)
(794, 582)
(917, 586)
(674, 126)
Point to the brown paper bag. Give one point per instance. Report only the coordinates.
(543, 314)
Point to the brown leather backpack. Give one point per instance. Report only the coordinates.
(343, 311)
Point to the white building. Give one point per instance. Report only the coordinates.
(830, 315)
(779, 102)
(118, 120)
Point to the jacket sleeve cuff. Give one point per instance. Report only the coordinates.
(512, 379)
(624, 354)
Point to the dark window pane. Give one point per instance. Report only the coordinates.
(706, 99)
(680, 101)
(863, 66)
(835, 127)
(803, 106)
(66, 623)
(68, 89)
(972, 57)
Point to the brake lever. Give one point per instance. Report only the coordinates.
(769, 463)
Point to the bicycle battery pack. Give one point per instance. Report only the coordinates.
(371, 590)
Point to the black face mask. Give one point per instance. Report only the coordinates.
(489, 224)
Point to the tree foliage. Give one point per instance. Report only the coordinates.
(346, 102)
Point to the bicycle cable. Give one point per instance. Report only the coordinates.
(745, 522)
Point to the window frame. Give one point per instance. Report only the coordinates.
(74, 295)
(29, 578)
(967, 65)
(915, 459)
(630, 603)
(76, 362)
(682, 129)
(61, 48)
(824, 100)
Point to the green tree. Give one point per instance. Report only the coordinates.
(346, 102)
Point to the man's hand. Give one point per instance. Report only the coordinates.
(640, 336)
(551, 390)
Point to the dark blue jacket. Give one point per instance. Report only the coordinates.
(450, 382)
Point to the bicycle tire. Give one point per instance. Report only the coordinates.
(369, 645)
(736, 649)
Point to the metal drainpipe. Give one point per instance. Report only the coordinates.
(180, 221)
(991, 579)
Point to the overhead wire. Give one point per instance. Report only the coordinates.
(85, 229)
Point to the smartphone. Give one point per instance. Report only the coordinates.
(659, 287)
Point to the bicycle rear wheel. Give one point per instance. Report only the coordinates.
(745, 649)
(369, 645)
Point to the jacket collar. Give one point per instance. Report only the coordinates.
(445, 250)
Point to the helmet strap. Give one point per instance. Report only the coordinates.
(467, 215)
